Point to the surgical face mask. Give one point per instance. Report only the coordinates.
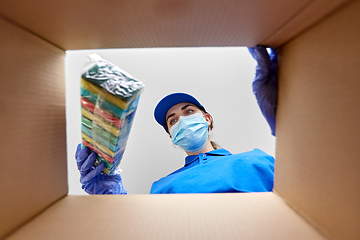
(190, 132)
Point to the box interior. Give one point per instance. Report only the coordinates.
(33, 148)
(184, 216)
(316, 192)
(90, 24)
(318, 132)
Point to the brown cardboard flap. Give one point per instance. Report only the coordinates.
(311, 13)
(318, 124)
(89, 24)
(187, 216)
(32, 105)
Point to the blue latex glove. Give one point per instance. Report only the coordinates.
(265, 85)
(92, 179)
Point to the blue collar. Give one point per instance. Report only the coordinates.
(218, 152)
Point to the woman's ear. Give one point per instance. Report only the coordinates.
(208, 118)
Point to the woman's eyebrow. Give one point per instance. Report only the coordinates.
(173, 114)
(188, 105)
(184, 107)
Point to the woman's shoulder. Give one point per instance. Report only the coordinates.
(254, 152)
(254, 156)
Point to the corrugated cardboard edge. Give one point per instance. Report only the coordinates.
(318, 118)
(33, 143)
(161, 23)
(171, 216)
(306, 17)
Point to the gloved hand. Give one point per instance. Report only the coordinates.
(92, 179)
(265, 85)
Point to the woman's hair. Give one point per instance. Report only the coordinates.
(211, 126)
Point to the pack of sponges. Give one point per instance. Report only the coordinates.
(109, 99)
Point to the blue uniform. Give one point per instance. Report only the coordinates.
(219, 171)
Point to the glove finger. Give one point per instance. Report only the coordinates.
(93, 173)
(82, 156)
(79, 161)
(251, 50)
(273, 64)
(89, 162)
(77, 150)
(261, 56)
(259, 52)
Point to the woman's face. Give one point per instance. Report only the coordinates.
(183, 109)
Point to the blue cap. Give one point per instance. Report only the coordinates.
(168, 102)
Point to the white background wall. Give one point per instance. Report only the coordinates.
(220, 78)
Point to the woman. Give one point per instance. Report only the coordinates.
(207, 168)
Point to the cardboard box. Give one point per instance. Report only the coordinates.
(317, 183)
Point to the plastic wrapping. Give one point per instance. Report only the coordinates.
(109, 99)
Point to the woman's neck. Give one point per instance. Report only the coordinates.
(208, 148)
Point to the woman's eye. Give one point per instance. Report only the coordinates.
(172, 121)
(189, 111)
